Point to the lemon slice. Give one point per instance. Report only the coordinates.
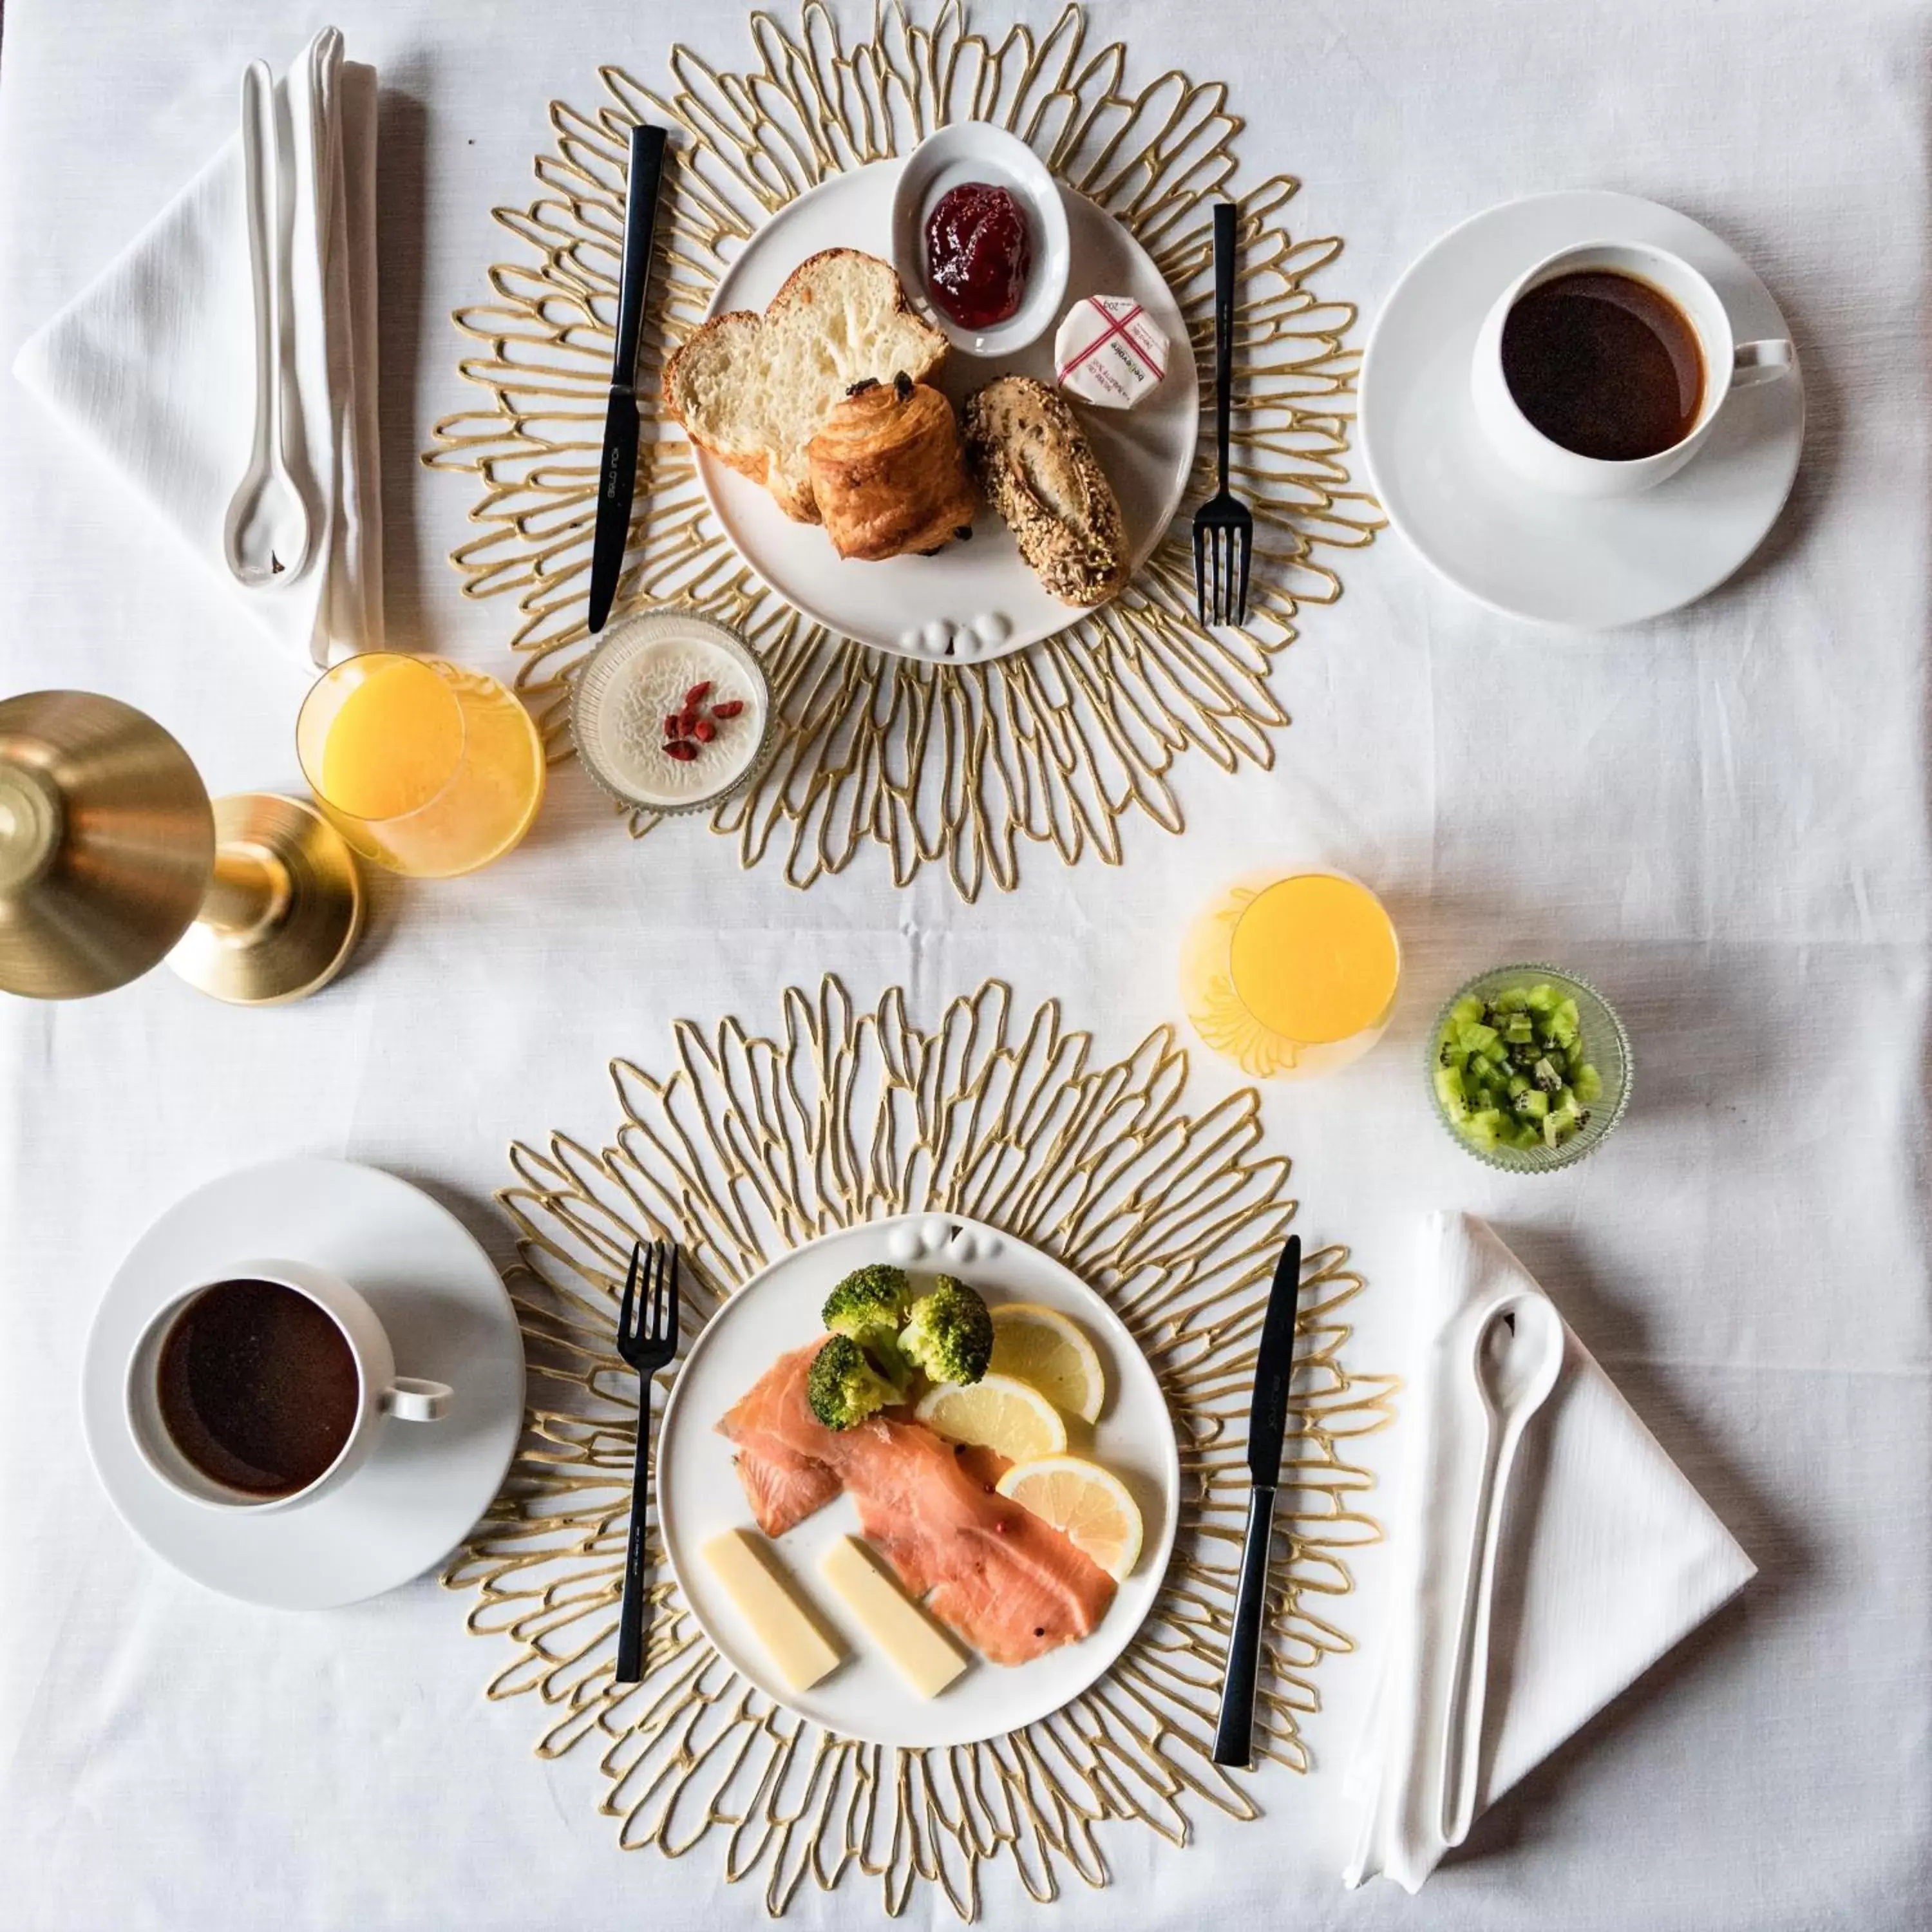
(999, 1411)
(1090, 1503)
(1040, 1345)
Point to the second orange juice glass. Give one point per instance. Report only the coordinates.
(426, 767)
(1291, 974)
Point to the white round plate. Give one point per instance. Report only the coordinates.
(699, 1496)
(977, 599)
(1523, 551)
(444, 1305)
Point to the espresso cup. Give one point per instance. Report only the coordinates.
(1728, 365)
(357, 1414)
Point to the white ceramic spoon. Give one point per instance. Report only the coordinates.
(1515, 1357)
(268, 532)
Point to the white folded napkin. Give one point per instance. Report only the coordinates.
(153, 363)
(1609, 1558)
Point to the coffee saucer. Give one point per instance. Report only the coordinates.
(1553, 559)
(444, 1305)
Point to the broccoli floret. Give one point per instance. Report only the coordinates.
(843, 1387)
(949, 1333)
(869, 1302)
(870, 1306)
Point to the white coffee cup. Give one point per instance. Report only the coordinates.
(380, 1393)
(1729, 364)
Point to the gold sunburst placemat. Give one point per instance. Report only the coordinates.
(952, 765)
(747, 1147)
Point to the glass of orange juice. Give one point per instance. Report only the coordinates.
(424, 767)
(1291, 974)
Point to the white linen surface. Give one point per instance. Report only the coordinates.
(149, 364)
(1606, 1558)
(1721, 819)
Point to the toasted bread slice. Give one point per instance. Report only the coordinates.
(755, 389)
(1038, 471)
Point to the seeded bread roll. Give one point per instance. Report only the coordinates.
(1036, 468)
(888, 474)
(755, 389)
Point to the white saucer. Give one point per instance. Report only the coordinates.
(444, 1307)
(1586, 565)
(699, 1494)
(978, 599)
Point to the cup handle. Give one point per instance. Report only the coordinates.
(409, 1399)
(1760, 361)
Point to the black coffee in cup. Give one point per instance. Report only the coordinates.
(257, 1387)
(1604, 364)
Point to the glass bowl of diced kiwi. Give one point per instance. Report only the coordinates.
(1530, 1068)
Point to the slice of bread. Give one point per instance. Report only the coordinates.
(1039, 472)
(755, 389)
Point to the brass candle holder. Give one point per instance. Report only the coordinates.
(112, 858)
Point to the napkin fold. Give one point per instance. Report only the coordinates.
(1609, 1558)
(152, 364)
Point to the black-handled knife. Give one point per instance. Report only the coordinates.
(617, 475)
(1267, 1423)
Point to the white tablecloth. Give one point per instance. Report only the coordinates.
(1721, 818)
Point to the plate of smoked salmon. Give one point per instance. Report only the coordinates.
(918, 1483)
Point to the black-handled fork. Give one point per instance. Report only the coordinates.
(647, 1339)
(1224, 528)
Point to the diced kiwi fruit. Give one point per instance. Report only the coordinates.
(1511, 1071)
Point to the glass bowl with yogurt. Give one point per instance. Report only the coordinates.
(672, 713)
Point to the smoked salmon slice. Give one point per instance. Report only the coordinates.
(781, 1462)
(1013, 1585)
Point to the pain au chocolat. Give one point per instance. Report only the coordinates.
(888, 473)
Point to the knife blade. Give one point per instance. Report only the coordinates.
(617, 469)
(1267, 1425)
(1267, 1413)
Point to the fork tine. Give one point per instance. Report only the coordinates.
(1245, 541)
(654, 1334)
(1200, 572)
(627, 1306)
(664, 1258)
(673, 1325)
(1220, 575)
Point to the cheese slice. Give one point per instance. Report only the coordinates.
(922, 1654)
(758, 1585)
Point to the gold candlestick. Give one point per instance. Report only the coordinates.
(112, 858)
